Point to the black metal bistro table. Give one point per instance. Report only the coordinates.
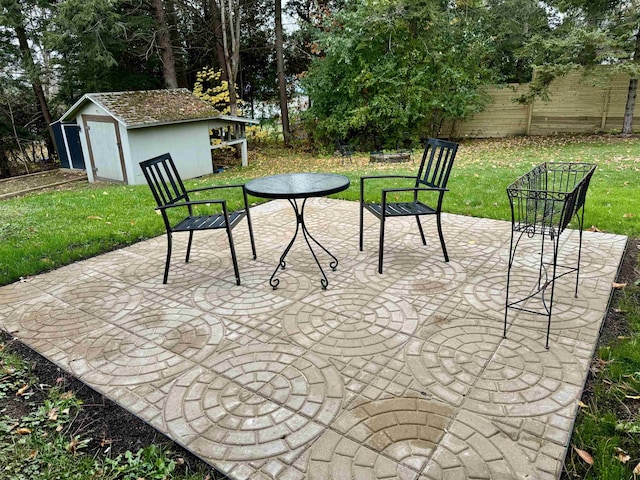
(293, 187)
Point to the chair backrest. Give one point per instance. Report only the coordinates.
(164, 180)
(436, 164)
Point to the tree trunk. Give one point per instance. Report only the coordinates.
(218, 39)
(627, 125)
(164, 43)
(282, 83)
(174, 39)
(230, 16)
(34, 78)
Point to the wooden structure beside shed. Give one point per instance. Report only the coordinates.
(118, 130)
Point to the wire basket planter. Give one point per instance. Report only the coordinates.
(543, 202)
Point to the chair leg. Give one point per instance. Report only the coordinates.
(234, 259)
(166, 265)
(381, 246)
(186, 259)
(361, 224)
(444, 248)
(253, 243)
(424, 241)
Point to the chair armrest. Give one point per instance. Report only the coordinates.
(415, 189)
(197, 202)
(215, 187)
(386, 176)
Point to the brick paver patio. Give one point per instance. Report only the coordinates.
(402, 375)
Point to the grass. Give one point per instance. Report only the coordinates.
(43, 231)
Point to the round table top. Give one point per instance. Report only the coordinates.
(297, 185)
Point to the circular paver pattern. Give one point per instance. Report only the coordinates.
(149, 272)
(406, 430)
(184, 331)
(115, 357)
(229, 299)
(51, 319)
(524, 379)
(350, 323)
(468, 363)
(101, 297)
(411, 273)
(474, 448)
(254, 402)
(449, 360)
(486, 293)
(287, 375)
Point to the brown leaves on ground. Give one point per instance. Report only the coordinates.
(584, 455)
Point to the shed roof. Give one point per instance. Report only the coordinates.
(145, 108)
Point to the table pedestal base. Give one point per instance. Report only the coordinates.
(300, 225)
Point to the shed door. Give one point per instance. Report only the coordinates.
(105, 148)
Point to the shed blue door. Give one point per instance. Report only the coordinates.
(67, 137)
(72, 133)
(60, 144)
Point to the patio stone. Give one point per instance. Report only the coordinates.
(405, 375)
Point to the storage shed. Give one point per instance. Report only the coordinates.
(120, 129)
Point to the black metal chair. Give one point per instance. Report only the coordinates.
(169, 192)
(432, 176)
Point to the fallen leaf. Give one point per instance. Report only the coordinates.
(94, 217)
(67, 395)
(23, 431)
(73, 445)
(632, 397)
(33, 454)
(621, 337)
(53, 414)
(581, 404)
(22, 389)
(59, 428)
(636, 471)
(618, 286)
(628, 215)
(623, 457)
(593, 229)
(584, 455)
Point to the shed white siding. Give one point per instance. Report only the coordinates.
(188, 144)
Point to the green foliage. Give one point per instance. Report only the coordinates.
(608, 427)
(102, 45)
(388, 70)
(588, 34)
(149, 462)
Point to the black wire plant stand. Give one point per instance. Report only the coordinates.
(543, 202)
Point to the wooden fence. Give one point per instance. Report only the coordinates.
(575, 105)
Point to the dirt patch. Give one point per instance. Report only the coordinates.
(36, 181)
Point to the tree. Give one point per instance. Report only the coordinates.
(282, 83)
(394, 69)
(103, 45)
(164, 45)
(14, 16)
(589, 34)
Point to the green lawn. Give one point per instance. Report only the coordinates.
(43, 231)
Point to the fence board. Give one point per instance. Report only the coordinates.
(576, 105)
